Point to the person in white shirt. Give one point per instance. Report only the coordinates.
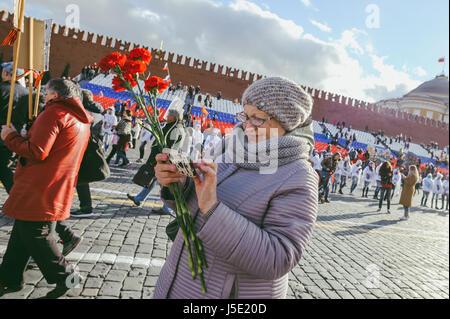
(356, 175)
(136, 130)
(197, 137)
(345, 168)
(109, 124)
(427, 188)
(369, 175)
(445, 191)
(316, 160)
(437, 190)
(337, 176)
(146, 138)
(396, 180)
(211, 142)
(378, 180)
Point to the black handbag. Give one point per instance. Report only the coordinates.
(145, 176)
(172, 230)
(94, 167)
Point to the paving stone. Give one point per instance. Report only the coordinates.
(150, 281)
(90, 292)
(130, 295)
(93, 283)
(100, 271)
(110, 288)
(331, 294)
(133, 283)
(116, 275)
(147, 292)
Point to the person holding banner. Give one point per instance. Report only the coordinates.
(43, 189)
(20, 107)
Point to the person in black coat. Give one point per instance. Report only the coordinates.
(18, 119)
(83, 190)
(173, 119)
(386, 175)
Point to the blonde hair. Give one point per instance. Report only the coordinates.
(413, 171)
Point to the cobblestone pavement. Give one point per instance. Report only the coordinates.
(354, 252)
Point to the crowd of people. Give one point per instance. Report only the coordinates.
(278, 213)
(389, 179)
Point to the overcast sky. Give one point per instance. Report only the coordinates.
(322, 44)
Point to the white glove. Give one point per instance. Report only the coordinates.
(24, 132)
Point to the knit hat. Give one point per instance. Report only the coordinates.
(9, 67)
(281, 98)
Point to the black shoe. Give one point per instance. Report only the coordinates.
(71, 245)
(9, 289)
(340, 192)
(326, 200)
(130, 197)
(81, 213)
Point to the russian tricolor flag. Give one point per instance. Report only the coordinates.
(166, 67)
(167, 78)
(441, 60)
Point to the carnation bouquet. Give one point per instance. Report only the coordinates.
(128, 70)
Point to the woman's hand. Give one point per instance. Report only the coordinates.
(166, 173)
(6, 130)
(207, 189)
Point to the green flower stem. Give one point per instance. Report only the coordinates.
(201, 260)
(186, 239)
(183, 217)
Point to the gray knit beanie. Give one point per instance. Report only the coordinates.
(281, 98)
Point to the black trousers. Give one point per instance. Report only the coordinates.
(142, 149)
(33, 239)
(112, 153)
(64, 232)
(385, 192)
(6, 175)
(84, 195)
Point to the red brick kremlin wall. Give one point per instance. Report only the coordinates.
(81, 48)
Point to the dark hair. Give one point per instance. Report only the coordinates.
(385, 168)
(87, 96)
(65, 89)
(128, 112)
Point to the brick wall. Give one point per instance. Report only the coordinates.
(80, 48)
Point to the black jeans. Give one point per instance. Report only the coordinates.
(84, 195)
(424, 198)
(64, 232)
(385, 191)
(33, 239)
(112, 153)
(6, 175)
(142, 149)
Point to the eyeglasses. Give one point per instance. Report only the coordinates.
(254, 121)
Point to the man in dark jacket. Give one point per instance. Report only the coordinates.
(329, 166)
(173, 118)
(18, 118)
(83, 190)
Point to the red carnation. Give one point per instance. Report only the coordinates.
(133, 67)
(111, 61)
(156, 82)
(140, 54)
(119, 85)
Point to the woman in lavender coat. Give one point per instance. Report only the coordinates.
(253, 211)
